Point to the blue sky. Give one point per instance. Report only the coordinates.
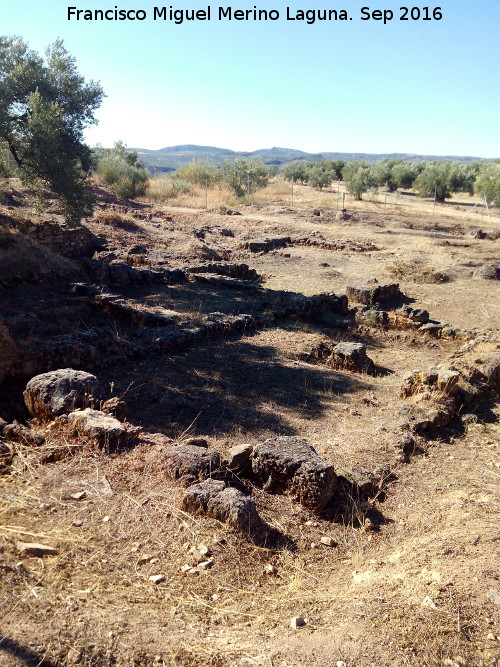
(428, 87)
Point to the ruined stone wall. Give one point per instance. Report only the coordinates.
(68, 242)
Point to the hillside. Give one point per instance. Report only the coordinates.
(173, 157)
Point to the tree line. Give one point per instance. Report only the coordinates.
(45, 105)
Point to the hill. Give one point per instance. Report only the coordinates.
(173, 157)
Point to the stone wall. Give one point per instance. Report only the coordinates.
(69, 242)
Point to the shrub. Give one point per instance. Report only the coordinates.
(125, 175)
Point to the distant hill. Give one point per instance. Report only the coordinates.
(172, 157)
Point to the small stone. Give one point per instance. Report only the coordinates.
(428, 602)
(206, 564)
(186, 568)
(106, 519)
(270, 569)
(493, 595)
(77, 523)
(36, 549)
(297, 622)
(490, 637)
(328, 541)
(79, 496)
(73, 656)
(340, 663)
(157, 578)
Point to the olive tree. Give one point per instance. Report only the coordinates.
(45, 105)
(243, 174)
(488, 183)
(358, 177)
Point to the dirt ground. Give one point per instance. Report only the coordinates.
(423, 588)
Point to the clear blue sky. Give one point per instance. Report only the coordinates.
(427, 87)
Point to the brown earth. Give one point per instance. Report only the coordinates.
(411, 588)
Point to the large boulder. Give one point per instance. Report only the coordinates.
(291, 465)
(60, 392)
(227, 504)
(105, 430)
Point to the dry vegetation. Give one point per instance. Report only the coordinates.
(414, 591)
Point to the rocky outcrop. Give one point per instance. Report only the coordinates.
(59, 392)
(291, 465)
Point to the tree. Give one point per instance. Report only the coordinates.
(358, 177)
(404, 174)
(319, 178)
(296, 170)
(45, 105)
(241, 174)
(441, 178)
(488, 183)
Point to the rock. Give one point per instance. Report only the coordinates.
(36, 549)
(238, 456)
(115, 406)
(491, 370)
(226, 504)
(362, 483)
(494, 596)
(351, 356)
(195, 442)
(298, 622)
(270, 570)
(328, 541)
(487, 272)
(371, 317)
(18, 433)
(73, 657)
(190, 463)
(447, 381)
(59, 392)
(291, 465)
(77, 522)
(157, 578)
(428, 602)
(406, 444)
(105, 430)
(205, 564)
(79, 496)
(369, 296)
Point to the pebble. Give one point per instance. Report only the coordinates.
(298, 622)
(77, 523)
(328, 541)
(79, 496)
(157, 578)
(106, 519)
(270, 569)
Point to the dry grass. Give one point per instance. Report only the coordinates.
(415, 270)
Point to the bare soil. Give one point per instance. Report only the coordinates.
(414, 591)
